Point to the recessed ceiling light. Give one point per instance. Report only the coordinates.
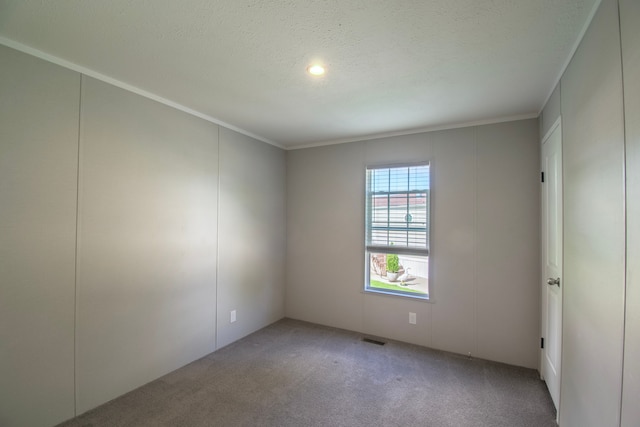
(315, 70)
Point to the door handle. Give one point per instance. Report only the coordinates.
(551, 281)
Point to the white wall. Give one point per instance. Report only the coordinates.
(151, 202)
(485, 241)
(38, 175)
(251, 235)
(508, 243)
(630, 23)
(325, 259)
(594, 241)
(146, 241)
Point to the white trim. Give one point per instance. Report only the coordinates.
(122, 85)
(416, 131)
(573, 51)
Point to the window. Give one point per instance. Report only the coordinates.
(397, 230)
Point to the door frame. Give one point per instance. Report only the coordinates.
(543, 247)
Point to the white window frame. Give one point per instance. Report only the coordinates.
(399, 250)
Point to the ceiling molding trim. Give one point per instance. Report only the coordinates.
(592, 14)
(122, 85)
(415, 131)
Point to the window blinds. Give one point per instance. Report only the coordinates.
(397, 203)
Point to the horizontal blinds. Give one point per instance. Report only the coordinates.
(397, 203)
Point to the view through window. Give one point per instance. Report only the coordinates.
(397, 230)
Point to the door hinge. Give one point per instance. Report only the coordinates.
(541, 342)
(541, 176)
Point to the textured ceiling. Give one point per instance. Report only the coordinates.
(393, 66)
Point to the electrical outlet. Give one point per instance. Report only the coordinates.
(233, 316)
(412, 318)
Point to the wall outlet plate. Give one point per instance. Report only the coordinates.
(412, 318)
(233, 316)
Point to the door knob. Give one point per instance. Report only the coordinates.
(551, 281)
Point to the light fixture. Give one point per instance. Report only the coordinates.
(315, 70)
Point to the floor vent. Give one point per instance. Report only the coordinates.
(370, 341)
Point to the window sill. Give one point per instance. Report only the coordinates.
(410, 295)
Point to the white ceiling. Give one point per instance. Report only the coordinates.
(393, 66)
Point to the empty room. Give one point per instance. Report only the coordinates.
(320, 213)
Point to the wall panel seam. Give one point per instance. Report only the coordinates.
(475, 240)
(215, 317)
(624, 213)
(77, 242)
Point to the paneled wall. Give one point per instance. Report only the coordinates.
(594, 240)
(484, 249)
(630, 23)
(146, 241)
(111, 206)
(251, 235)
(38, 175)
(599, 100)
(508, 243)
(325, 235)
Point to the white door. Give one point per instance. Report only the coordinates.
(552, 260)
